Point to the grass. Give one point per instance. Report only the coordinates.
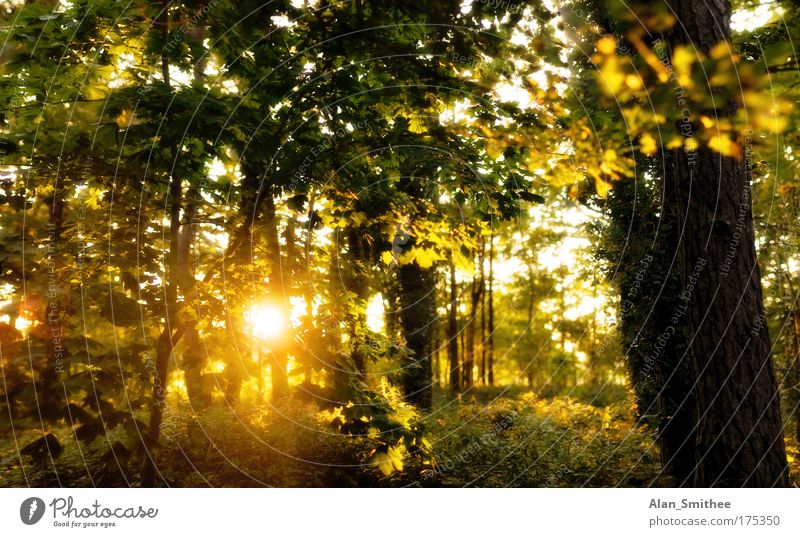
(492, 438)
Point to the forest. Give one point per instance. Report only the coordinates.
(387, 243)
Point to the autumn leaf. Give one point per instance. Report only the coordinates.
(722, 144)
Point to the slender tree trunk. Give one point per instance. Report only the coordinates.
(476, 293)
(452, 331)
(469, 360)
(172, 331)
(739, 439)
(355, 281)
(278, 358)
(483, 313)
(490, 340)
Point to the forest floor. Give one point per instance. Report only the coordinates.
(493, 438)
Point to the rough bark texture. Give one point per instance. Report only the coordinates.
(739, 437)
(418, 317)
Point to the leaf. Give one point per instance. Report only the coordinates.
(647, 144)
(463, 263)
(426, 257)
(602, 187)
(606, 45)
(722, 144)
(416, 125)
(121, 310)
(390, 461)
(531, 197)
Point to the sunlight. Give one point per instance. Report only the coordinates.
(747, 20)
(375, 312)
(267, 321)
(22, 323)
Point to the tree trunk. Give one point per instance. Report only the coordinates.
(279, 359)
(452, 331)
(354, 277)
(483, 313)
(418, 317)
(476, 291)
(490, 340)
(172, 331)
(739, 438)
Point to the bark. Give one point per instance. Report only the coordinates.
(490, 340)
(172, 331)
(483, 313)
(476, 291)
(739, 437)
(418, 317)
(452, 331)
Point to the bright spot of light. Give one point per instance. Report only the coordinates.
(513, 93)
(375, 320)
(266, 321)
(747, 20)
(22, 323)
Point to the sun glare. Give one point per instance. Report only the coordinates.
(267, 321)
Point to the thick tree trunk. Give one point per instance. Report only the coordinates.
(739, 436)
(418, 317)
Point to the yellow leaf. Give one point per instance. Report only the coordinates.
(396, 456)
(674, 143)
(389, 462)
(772, 123)
(723, 145)
(691, 144)
(425, 257)
(602, 187)
(647, 144)
(94, 92)
(495, 148)
(723, 49)
(682, 60)
(383, 462)
(606, 45)
(463, 263)
(124, 119)
(416, 126)
(387, 257)
(612, 76)
(633, 82)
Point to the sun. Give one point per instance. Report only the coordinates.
(267, 321)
